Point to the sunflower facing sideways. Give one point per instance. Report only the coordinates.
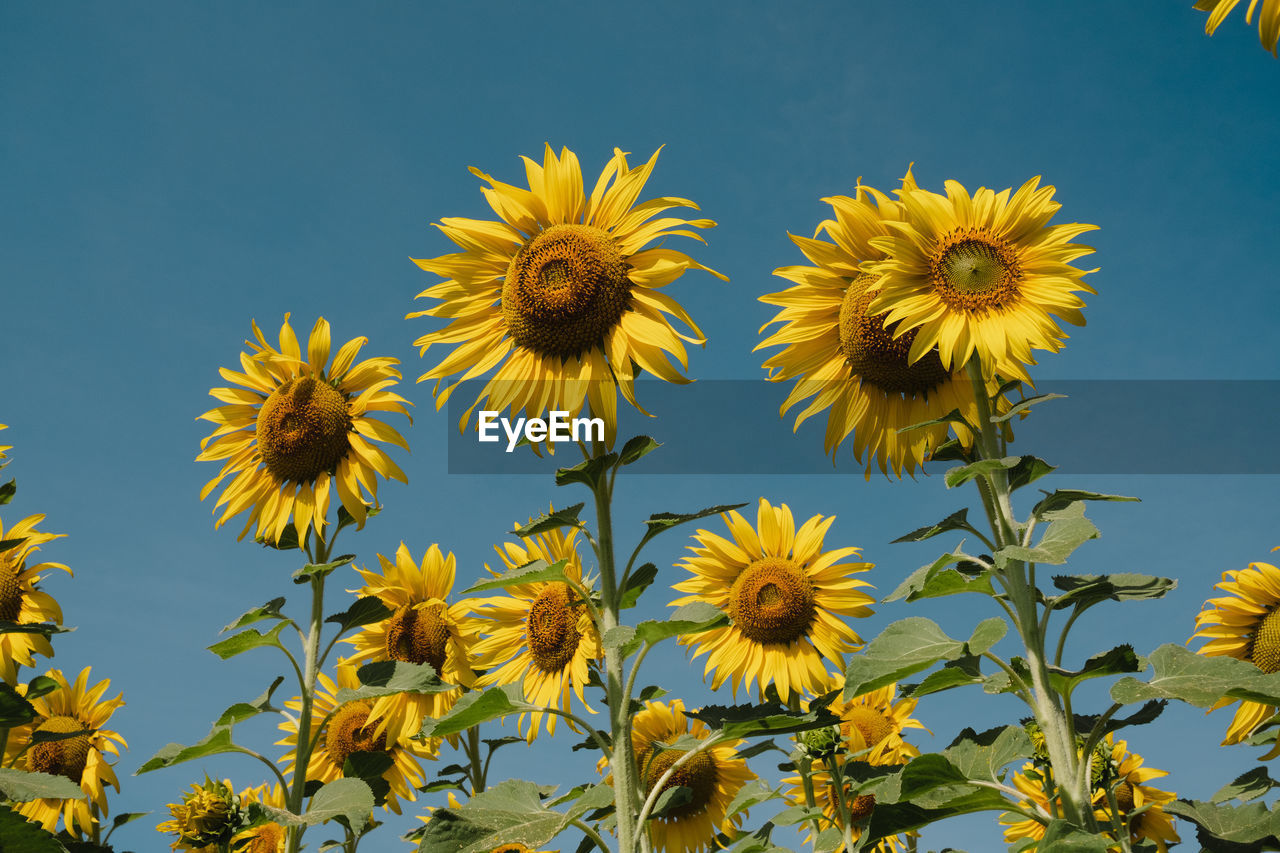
(539, 634)
(827, 795)
(299, 428)
(1268, 18)
(350, 730)
(788, 601)
(423, 628)
(21, 601)
(1244, 624)
(848, 359)
(713, 777)
(80, 711)
(982, 273)
(560, 294)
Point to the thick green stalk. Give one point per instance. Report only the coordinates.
(302, 753)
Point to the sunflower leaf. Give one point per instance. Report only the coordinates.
(1068, 529)
(661, 521)
(1062, 498)
(217, 741)
(987, 633)
(1117, 661)
(388, 677)
(25, 785)
(534, 571)
(348, 801)
(7, 491)
(637, 447)
(242, 711)
(743, 721)
(18, 833)
(1028, 470)
(952, 450)
(751, 794)
(692, 618)
(566, 517)
(1246, 787)
(951, 417)
(475, 708)
(936, 580)
(672, 798)
(892, 818)
(368, 767)
(510, 812)
(311, 571)
(960, 475)
(1025, 406)
(956, 521)
(248, 639)
(366, 610)
(1084, 591)
(588, 472)
(41, 685)
(956, 673)
(14, 709)
(903, 648)
(637, 582)
(1200, 680)
(984, 755)
(1252, 824)
(46, 628)
(1061, 835)
(270, 610)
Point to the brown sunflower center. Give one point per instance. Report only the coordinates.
(10, 590)
(552, 628)
(565, 289)
(868, 722)
(419, 635)
(302, 429)
(1124, 797)
(875, 355)
(64, 757)
(862, 807)
(349, 732)
(268, 838)
(698, 774)
(973, 271)
(513, 847)
(1264, 648)
(772, 601)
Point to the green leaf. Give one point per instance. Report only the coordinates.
(475, 708)
(670, 800)
(318, 570)
(242, 711)
(22, 836)
(1116, 661)
(751, 794)
(1179, 673)
(1252, 824)
(661, 521)
(1028, 470)
(983, 467)
(246, 640)
(24, 786)
(288, 540)
(531, 572)
(364, 611)
(41, 685)
(510, 812)
(1062, 498)
(9, 544)
(952, 450)
(349, 801)
(936, 580)
(389, 677)
(951, 417)
(987, 634)
(567, 517)
(1060, 835)
(637, 582)
(1146, 714)
(14, 709)
(1025, 405)
(588, 472)
(637, 447)
(984, 755)
(7, 491)
(692, 618)
(1068, 529)
(958, 520)
(217, 741)
(270, 610)
(1084, 591)
(48, 629)
(744, 721)
(368, 767)
(956, 673)
(1246, 787)
(903, 648)
(126, 817)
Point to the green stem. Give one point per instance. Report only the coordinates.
(592, 834)
(846, 816)
(477, 773)
(302, 756)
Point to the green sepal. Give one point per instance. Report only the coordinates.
(589, 471)
(532, 572)
(637, 582)
(1025, 406)
(364, 611)
(566, 517)
(637, 447)
(270, 610)
(312, 571)
(1200, 680)
(26, 785)
(248, 639)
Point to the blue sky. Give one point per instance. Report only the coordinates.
(170, 171)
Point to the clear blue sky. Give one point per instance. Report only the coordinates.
(169, 171)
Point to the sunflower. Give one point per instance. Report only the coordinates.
(1244, 624)
(540, 634)
(873, 723)
(851, 359)
(713, 777)
(4, 447)
(80, 711)
(788, 600)
(206, 817)
(21, 602)
(827, 795)
(1268, 18)
(349, 731)
(982, 273)
(423, 628)
(263, 837)
(297, 426)
(1140, 805)
(561, 295)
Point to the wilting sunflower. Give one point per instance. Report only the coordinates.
(206, 817)
(540, 634)
(1140, 805)
(80, 711)
(561, 294)
(982, 273)
(423, 628)
(1268, 18)
(847, 358)
(787, 599)
(827, 794)
(1244, 624)
(713, 777)
(21, 601)
(349, 730)
(298, 426)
